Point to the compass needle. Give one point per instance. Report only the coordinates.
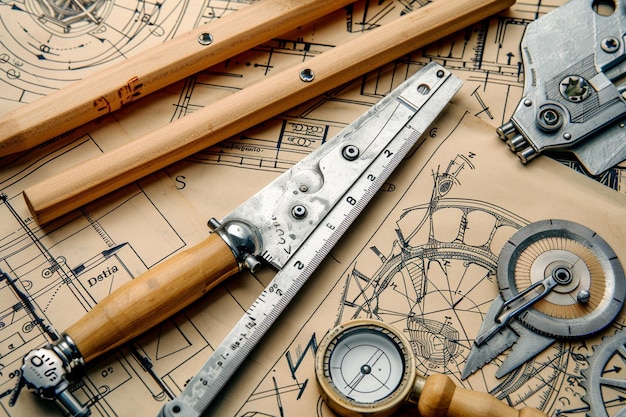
(435, 396)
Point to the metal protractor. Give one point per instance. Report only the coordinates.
(590, 286)
(557, 279)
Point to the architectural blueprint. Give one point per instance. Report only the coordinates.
(392, 265)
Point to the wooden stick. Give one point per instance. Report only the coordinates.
(153, 296)
(98, 176)
(441, 397)
(154, 69)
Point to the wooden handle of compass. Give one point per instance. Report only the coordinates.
(440, 397)
(153, 296)
(155, 68)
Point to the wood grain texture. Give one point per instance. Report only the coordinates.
(153, 297)
(273, 95)
(441, 397)
(154, 69)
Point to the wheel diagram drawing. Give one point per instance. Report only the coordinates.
(437, 282)
(52, 42)
(605, 381)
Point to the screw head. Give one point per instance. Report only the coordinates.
(299, 211)
(550, 118)
(307, 75)
(205, 38)
(350, 152)
(575, 88)
(583, 296)
(610, 44)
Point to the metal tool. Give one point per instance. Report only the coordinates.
(304, 212)
(557, 279)
(367, 367)
(605, 379)
(292, 224)
(575, 87)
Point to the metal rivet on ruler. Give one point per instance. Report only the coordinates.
(350, 152)
(298, 211)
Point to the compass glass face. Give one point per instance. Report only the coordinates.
(366, 365)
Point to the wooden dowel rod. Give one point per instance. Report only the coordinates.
(154, 69)
(98, 176)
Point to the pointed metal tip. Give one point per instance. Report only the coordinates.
(503, 371)
(467, 372)
(108, 252)
(473, 362)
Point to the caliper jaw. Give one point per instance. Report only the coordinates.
(575, 86)
(45, 372)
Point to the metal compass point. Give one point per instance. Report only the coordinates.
(557, 279)
(605, 381)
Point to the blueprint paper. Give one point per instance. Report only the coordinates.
(63, 269)
(423, 259)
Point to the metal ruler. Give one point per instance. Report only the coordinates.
(389, 130)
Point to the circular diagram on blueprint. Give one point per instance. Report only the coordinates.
(436, 282)
(45, 44)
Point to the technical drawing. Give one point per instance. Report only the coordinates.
(47, 281)
(605, 381)
(51, 43)
(439, 248)
(429, 269)
(441, 283)
(485, 56)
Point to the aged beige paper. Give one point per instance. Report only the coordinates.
(423, 258)
(60, 271)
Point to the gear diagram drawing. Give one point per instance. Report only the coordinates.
(50, 43)
(605, 381)
(446, 280)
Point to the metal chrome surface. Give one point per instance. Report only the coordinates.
(365, 367)
(557, 279)
(574, 93)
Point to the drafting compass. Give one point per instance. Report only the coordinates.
(575, 88)
(367, 367)
(557, 280)
(291, 224)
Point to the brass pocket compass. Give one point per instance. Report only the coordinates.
(366, 367)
